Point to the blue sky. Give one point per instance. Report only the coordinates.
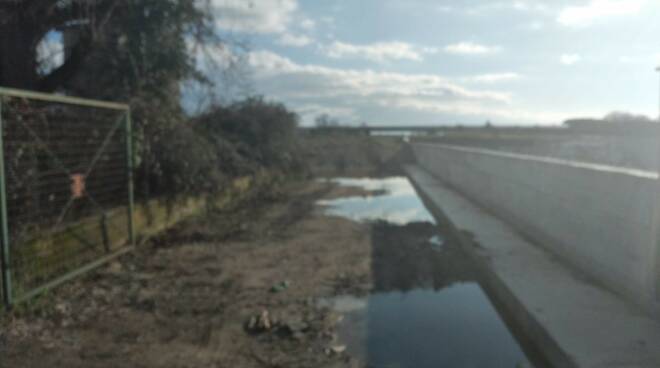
(447, 62)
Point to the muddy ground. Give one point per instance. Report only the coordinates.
(237, 288)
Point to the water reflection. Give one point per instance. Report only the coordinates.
(426, 308)
(399, 205)
(403, 258)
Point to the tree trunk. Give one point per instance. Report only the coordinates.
(18, 55)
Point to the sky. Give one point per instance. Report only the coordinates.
(421, 62)
(443, 62)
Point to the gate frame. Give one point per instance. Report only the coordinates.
(7, 292)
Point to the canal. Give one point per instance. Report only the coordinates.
(426, 307)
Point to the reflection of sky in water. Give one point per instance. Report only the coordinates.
(454, 327)
(399, 205)
(415, 326)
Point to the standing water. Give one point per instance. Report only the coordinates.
(426, 308)
(396, 201)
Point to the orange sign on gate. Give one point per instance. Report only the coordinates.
(77, 185)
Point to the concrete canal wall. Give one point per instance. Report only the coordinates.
(599, 218)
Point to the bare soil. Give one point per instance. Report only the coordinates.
(228, 289)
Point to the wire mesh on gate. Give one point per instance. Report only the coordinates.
(66, 168)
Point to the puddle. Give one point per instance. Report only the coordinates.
(397, 201)
(426, 308)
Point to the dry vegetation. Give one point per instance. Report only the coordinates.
(235, 288)
(341, 153)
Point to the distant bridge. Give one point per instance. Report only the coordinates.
(388, 128)
(433, 129)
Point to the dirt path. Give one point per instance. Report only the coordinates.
(198, 295)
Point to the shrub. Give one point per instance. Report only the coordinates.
(185, 163)
(201, 155)
(261, 132)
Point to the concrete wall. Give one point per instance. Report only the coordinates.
(631, 151)
(599, 218)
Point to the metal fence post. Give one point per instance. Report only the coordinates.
(655, 275)
(129, 175)
(4, 228)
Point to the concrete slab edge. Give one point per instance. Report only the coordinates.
(533, 337)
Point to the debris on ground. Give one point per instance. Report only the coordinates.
(259, 323)
(280, 286)
(336, 349)
(207, 299)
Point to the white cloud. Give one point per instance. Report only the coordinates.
(255, 16)
(351, 93)
(585, 15)
(643, 61)
(470, 108)
(289, 39)
(266, 62)
(309, 112)
(380, 51)
(493, 78)
(321, 81)
(314, 89)
(570, 59)
(627, 60)
(470, 48)
(530, 5)
(536, 25)
(307, 24)
(328, 20)
(212, 57)
(536, 6)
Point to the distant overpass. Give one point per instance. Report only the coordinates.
(431, 129)
(389, 128)
(407, 128)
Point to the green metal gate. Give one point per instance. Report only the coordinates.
(66, 192)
